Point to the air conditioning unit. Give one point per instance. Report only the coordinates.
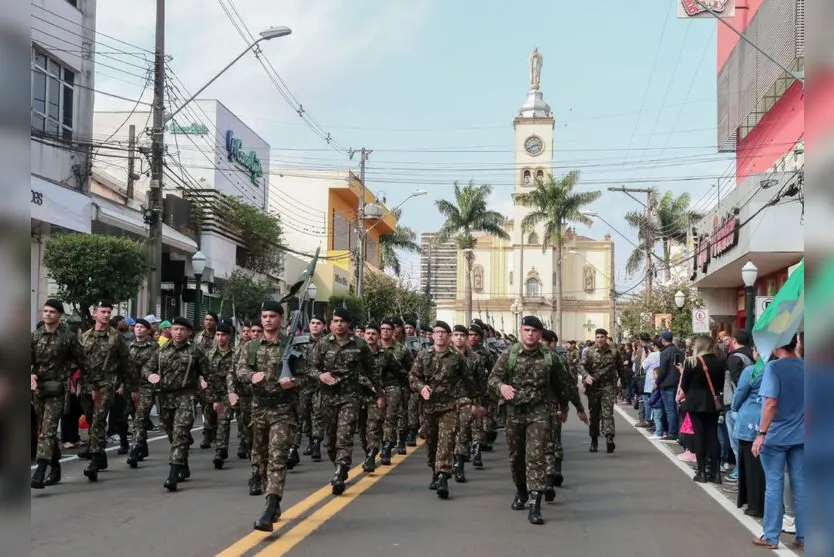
(373, 211)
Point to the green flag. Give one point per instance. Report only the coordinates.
(782, 318)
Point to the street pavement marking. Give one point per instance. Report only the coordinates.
(754, 527)
(296, 535)
(255, 538)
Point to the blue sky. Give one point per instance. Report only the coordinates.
(432, 87)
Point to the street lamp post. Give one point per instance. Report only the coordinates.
(198, 265)
(515, 308)
(680, 300)
(312, 290)
(748, 274)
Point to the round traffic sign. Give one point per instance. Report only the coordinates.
(700, 315)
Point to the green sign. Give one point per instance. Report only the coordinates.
(249, 161)
(191, 129)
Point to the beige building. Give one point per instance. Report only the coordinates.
(516, 277)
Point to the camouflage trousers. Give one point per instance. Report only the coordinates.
(142, 415)
(393, 406)
(553, 452)
(308, 413)
(49, 410)
(369, 424)
(402, 414)
(176, 414)
(441, 434)
(316, 427)
(528, 432)
(273, 433)
(463, 439)
(224, 424)
(339, 415)
(209, 416)
(97, 416)
(490, 421)
(601, 408)
(243, 413)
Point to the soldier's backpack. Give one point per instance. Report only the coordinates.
(112, 339)
(513, 358)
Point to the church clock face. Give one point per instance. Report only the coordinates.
(534, 145)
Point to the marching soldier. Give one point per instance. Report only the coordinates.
(142, 349)
(600, 368)
(242, 404)
(475, 369)
(205, 340)
(308, 403)
(490, 424)
(56, 352)
(178, 371)
(476, 344)
(409, 420)
(221, 364)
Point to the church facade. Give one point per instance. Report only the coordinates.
(516, 277)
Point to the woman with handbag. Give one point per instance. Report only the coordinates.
(702, 375)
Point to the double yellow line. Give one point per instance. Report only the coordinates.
(294, 535)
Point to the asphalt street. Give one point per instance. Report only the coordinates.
(634, 502)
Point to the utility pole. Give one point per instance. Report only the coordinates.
(613, 278)
(360, 267)
(131, 156)
(154, 213)
(648, 231)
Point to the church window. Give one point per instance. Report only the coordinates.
(511, 278)
(539, 176)
(527, 177)
(533, 239)
(532, 288)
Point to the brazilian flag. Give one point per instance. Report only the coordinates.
(782, 318)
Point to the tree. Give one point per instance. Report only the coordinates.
(672, 218)
(555, 204)
(385, 296)
(403, 238)
(243, 293)
(354, 304)
(93, 267)
(466, 215)
(637, 315)
(261, 234)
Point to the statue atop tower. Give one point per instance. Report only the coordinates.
(534, 106)
(535, 62)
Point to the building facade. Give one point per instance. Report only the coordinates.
(438, 267)
(517, 277)
(761, 118)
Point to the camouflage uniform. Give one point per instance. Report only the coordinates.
(475, 367)
(408, 418)
(604, 365)
(339, 403)
(274, 410)
(485, 428)
(140, 354)
(530, 412)
(554, 453)
(372, 432)
(54, 357)
(205, 341)
(447, 375)
(107, 364)
(309, 413)
(221, 365)
(180, 368)
(243, 408)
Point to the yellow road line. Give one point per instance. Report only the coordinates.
(298, 510)
(296, 535)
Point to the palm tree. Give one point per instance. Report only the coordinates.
(671, 220)
(466, 215)
(403, 238)
(556, 204)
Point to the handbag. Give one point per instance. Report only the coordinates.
(717, 399)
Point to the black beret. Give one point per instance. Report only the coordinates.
(397, 321)
(104, 304)
(442, 325)
(143, 323)
(474, 328)
(460, 329)
(412, 323)
(426, 328)
(182, 321)
(548, 335)
(272, 305)
(387, 321)
(532, 321)
(317, 317)
(601, 331)
(213, 315)
(372, 327)
(55, 304)
(478, 322)
(225, 328)
(342, 313)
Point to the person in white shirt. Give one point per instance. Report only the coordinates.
(649, 364)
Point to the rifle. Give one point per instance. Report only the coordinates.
(294, 348)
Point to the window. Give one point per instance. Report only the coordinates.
(533, 239)
(532, 288)
(540, 177)
(53, 94)
(341, 232)
(526, 178)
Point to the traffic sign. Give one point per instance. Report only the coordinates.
(700, 320)
(761, 305)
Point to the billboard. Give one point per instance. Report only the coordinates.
(692, 9)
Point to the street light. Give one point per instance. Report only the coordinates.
(516, 309)
(312, 290)
(269, 34)
(680, 299)
(198, 265)
(748, 275)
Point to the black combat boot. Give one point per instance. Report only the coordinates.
(385, 455)
(315, 450)
(143, 451)
(243, 450)
(183, 471)
(411, 438)
(293, 458)
(124, 446)
(520, 500)
(339, 479)
(255, 484)
(133, 456)
(101, 459)
(220, 456)
(308, 450)
(486, 447)
(492, 436)
(475, 451)
(54, 475)
(272, 511)
(435, 478)
(594, 444)
(549, 488)
(609, 444)
(443, 485)
(535, 504)
(173, 475)
(84, 453)
(401, 441)
(558, 479)
(206, 443)
(38, 476)
(460, 461)
(370, 461)
(91, 470)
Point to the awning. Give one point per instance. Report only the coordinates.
(120, 216)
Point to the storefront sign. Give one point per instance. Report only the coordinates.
(190, 129)
(60, 206)
(699, 8)
(339, 279)
(37, 198)
(249, 161)
(723, 238)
